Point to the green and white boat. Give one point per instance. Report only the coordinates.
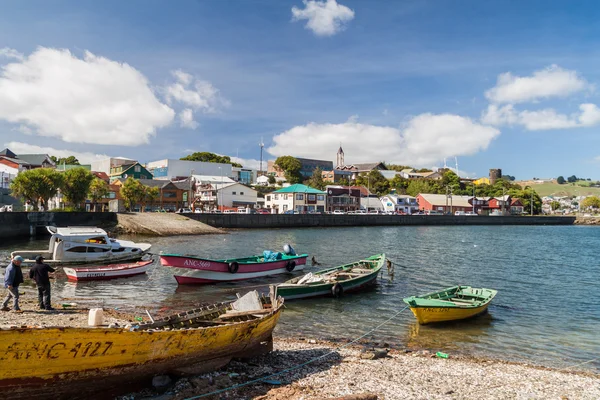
(333, 281)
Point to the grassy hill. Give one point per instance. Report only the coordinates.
(568, 189)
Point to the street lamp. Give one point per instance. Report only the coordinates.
(221, 201)
(473, 198)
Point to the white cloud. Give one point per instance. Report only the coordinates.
(11, 53)
(186, 119)
(88, 100)
(545, 119)
(24, 148)
(194, 93)
(324, 18)
(250, 163)
(425, 140)
(552, 81)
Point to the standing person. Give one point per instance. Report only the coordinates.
(39, 273)
(13, 277)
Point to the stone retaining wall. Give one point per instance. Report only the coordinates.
(24, 224)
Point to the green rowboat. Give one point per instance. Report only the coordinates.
(454, 303)
(333, 281)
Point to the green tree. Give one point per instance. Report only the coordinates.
(508, 177)
(572, 179)
(555, 205)
(344, 182)
(205, 156)
(374, 181)
(399, 183)
(71, 160)
(35, 184)
(151, 194)
(98, 189)
(560, 180)
(590, 202)
(291, 167)
(316, 180)
(417, 186)
(76, 185)
(525, 195)
(132, 192)
(395, 167)
(272, 180)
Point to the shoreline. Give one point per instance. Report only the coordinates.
(358, 370)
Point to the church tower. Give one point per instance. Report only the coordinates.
(340, 157)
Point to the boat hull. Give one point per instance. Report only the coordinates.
(192, 270)
(294, 293)
(70, 362)
(107, 272)
(428, 315)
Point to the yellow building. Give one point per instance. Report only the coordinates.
(482, 181)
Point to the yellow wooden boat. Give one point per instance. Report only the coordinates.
(72, 362)
(454, 303)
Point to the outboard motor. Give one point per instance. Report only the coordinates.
(289, 250)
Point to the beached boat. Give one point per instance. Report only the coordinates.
(104, 272)
(454, 303)
(81, 245)
(54, 362)
(194, 270)
(333, 281)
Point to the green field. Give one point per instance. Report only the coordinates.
(568, 189)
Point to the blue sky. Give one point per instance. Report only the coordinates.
(401, 81)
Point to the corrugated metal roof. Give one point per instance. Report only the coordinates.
(299, 188)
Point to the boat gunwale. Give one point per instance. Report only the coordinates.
(110, 267)
(238, 260)
(448, 303)
(374, 271)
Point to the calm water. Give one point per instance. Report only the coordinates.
(547, 310)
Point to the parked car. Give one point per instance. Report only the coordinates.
(460, 213)
(291, 212)
(183, 211)
(338, 212)
(471, 214)
(362, 212)
(264, 211)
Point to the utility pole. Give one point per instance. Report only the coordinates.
(473, 198)
(261, 144)
(532, 202)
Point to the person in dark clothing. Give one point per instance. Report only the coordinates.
(39, 273)
(13, 277)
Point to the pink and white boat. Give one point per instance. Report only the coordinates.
(195, 270)
(104, 272)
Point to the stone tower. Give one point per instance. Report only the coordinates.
(340, 158)
(495, 174)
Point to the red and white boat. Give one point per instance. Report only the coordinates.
(194, 270)
(103, 272)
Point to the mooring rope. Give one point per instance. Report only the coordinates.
(239, 385)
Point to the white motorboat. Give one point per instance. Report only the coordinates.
(81, 245)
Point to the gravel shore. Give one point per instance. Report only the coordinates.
(399, 375)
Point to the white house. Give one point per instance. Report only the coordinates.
(210, 196)
(400, 203)
(298, 197)
(105, 164)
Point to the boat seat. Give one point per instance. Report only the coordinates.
(463, 300)
(361, 270)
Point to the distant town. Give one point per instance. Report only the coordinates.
(204, 182)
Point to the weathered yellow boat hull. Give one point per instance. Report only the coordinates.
(427, 315)
(50, 362)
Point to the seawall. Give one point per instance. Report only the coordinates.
(25, 224)
(250, 221)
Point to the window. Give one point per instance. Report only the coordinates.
(78, 249)
(233, 193)
(241, 193)
(137, 168)
(320, 197)
(268, 198)
(311, 197)
(299, 196)
(97, 250)
(142, 176)
(276, 197)
(285, 196)
(285, 207)
(169, 195)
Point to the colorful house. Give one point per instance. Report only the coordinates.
(296, 198)
(134, 170)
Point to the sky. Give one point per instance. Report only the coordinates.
(493, 84)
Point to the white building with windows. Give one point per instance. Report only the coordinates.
(224, 195)
(296, 198)
(170, 169)
(400, 203)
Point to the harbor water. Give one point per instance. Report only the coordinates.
(547, 311)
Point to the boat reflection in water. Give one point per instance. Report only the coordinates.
(451, 336)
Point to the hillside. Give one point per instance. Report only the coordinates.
(568, 189)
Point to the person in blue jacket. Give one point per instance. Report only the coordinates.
(13, 277)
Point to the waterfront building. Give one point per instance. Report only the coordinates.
(343, 198)
(10, 167)
(173, 169)
(37, 160)
(212, 195)
(445, 203)
(336, 175)
(357, 169)
(298, 197)
(307, 168)
(400, 203)
(244, 176)
(105, 164)
(134, 170)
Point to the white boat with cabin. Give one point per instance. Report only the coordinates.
(81, 245)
